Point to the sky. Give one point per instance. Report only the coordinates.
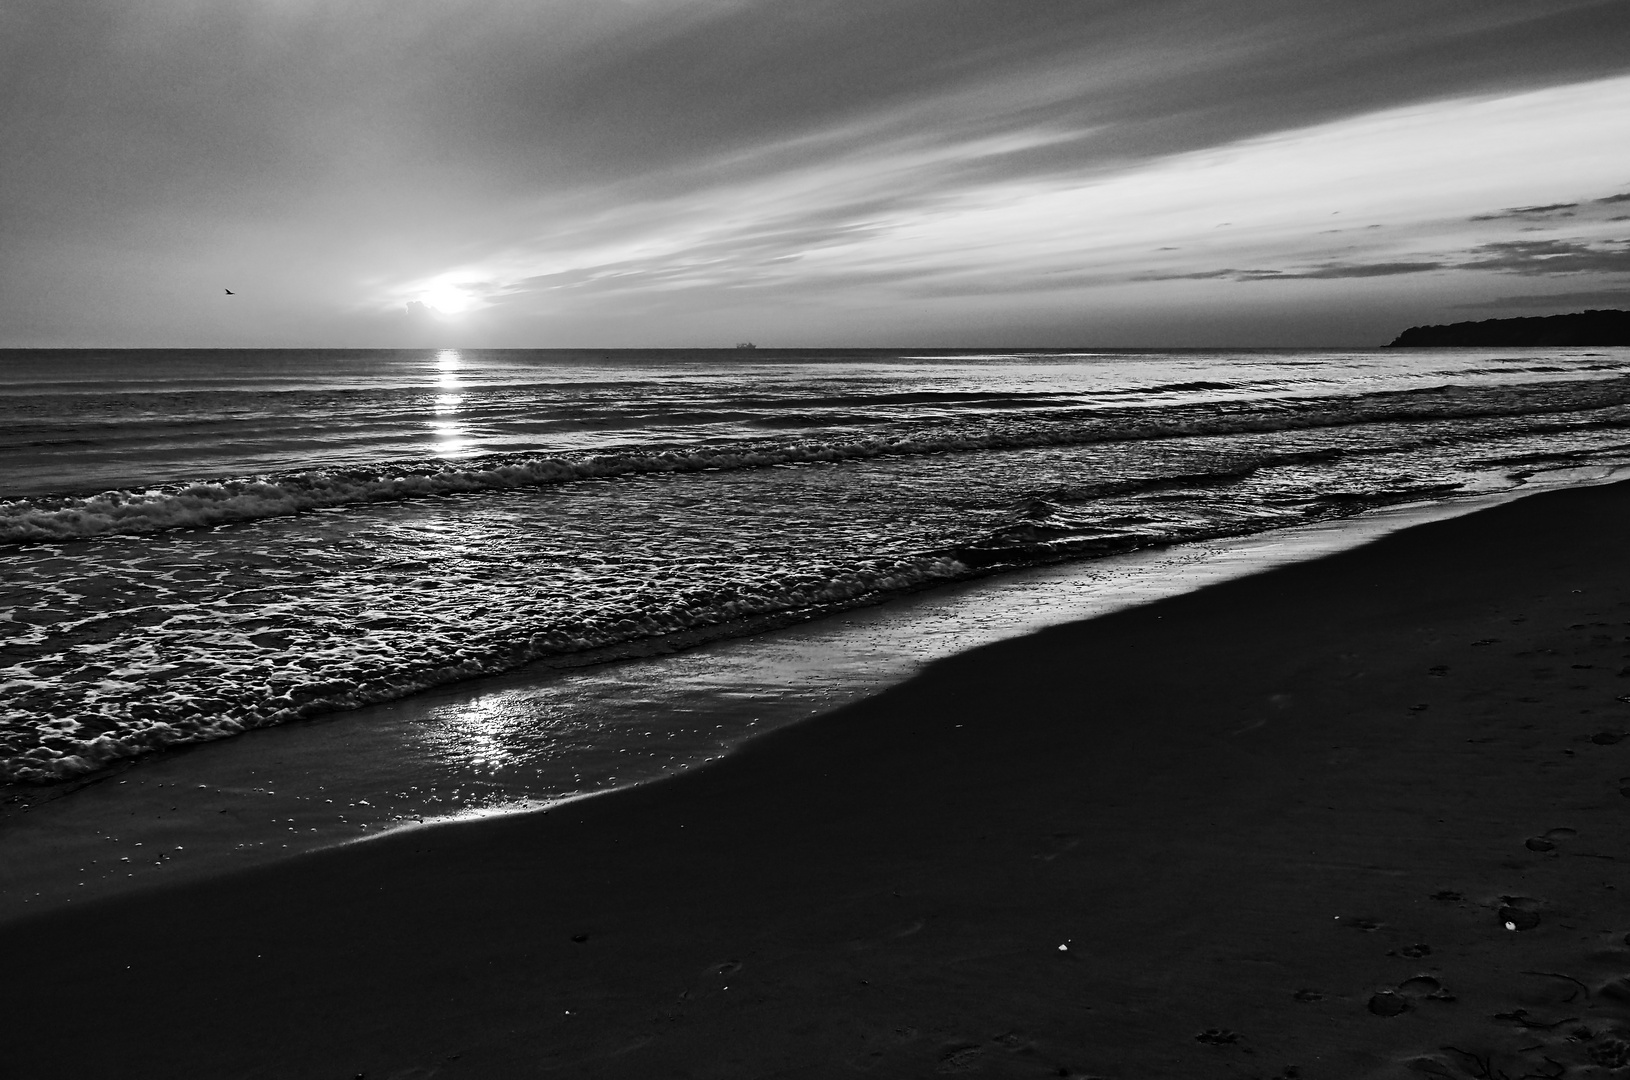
(804, 173)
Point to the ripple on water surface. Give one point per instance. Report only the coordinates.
(114, 645)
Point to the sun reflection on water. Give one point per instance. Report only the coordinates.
(448, 362)
(483, 733)
(448, 434)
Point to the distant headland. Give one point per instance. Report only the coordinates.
(1580, 328)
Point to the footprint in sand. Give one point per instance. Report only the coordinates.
(1388, 1003)
(986, 1056)
(1217, 1037)
(1425, 988)
(1519, 913)
(965, 1057)
(1517, 920)
(1408, 995)
(1548, 841)
(960, 1058)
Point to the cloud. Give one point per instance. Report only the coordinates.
(1364, 270)
(691, 86)
(338, 157)
(1624, 197)
(903, 222)
(1527, 258)
(1326, 271)
(1566, 301)
(1533, 258)
(413, 94)
(1529, 212)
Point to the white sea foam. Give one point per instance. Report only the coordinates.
(68, 731)
(166, 613)
(202, 503)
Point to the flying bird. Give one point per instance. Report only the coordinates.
(229, 292)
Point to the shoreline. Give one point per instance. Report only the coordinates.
(1281, 822)
(525, 739)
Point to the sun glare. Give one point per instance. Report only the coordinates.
(447, 299)
(447, 364)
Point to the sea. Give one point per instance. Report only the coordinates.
(207, 546)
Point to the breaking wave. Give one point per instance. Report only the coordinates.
(223, 501)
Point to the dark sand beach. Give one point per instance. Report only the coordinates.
(1355, 817)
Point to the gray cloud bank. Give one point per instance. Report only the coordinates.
(1562, 301)
(1525, 213)
(1527, 258)
(151, 144)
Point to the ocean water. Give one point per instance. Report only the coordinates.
(194, 544)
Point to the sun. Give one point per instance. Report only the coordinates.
(447, 299)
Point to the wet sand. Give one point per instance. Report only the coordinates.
(1354, 817)
(540, 734)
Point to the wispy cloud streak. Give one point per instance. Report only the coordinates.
(585, 171)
